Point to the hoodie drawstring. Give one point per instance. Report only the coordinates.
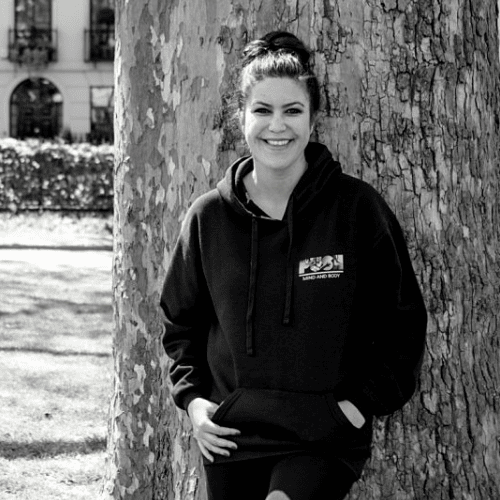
(287, 313)
(254, 255)
(322, 170)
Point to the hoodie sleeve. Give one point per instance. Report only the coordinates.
(394, 321)
(187, 314)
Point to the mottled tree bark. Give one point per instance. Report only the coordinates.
(411, 105)
(413, 92)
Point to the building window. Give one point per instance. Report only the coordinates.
(35, 109)
(100, 38)
(32, 41)
(101, 114)
(33, 13)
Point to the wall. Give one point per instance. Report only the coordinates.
(70, 73)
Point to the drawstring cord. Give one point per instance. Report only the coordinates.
(254, 255)
(287, 313)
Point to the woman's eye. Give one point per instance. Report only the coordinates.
(261, 111)
(294, 111)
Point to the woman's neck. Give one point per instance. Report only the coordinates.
(271, 190)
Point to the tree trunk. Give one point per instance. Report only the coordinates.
(411, 105)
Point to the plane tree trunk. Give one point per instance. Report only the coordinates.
(411, 105)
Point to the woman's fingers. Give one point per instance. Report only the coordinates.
(208, 434)
(219, 442)
(210, 442)
(204, 451)
(223, 431)
(206, 447)
(216, 449)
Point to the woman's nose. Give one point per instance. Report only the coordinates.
(277, 123)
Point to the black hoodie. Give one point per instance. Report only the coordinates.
(280, 319)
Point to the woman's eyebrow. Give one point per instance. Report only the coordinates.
(295, 103)
(286, 105)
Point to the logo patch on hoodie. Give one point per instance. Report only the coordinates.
(328, 266)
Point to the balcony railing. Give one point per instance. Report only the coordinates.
(33, 46)
(100, 44)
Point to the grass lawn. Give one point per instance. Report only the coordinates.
(55, 356)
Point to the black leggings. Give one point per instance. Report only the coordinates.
(293, 477)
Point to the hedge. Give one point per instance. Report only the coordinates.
(43, 175)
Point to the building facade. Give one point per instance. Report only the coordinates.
(56, 69)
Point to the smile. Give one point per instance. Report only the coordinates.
(276, 142)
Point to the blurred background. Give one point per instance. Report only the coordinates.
(56, 69)
(56, 203)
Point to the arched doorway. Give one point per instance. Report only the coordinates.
(35, 109)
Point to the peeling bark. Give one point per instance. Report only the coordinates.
(411, 105)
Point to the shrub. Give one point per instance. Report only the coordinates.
(54, 175)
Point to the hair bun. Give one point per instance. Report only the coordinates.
(275, 42)
(282, 40)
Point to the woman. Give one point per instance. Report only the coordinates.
(292, 312)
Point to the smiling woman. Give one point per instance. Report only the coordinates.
(307, 321)
(276, 122)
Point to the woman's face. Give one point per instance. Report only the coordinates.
(276, 123)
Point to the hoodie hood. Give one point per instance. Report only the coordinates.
(321, 170)
(315, 183)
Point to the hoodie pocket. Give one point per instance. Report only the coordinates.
(226, 404)
(264, 416)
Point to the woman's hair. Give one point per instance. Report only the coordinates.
(278, 54)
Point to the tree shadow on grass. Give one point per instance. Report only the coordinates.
(38, 350)
(71, 248)
(77, 308)
(74, 307)
(12, 450)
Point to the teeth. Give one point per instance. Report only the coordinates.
(278, 143)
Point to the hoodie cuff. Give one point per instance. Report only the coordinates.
(184, 401)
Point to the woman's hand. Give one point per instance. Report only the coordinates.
(207, 433)
(352, 413)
